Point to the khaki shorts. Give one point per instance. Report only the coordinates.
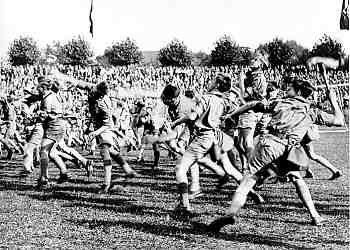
(225, 142)
(54, 130)
(107, 137)
(183, 135)
(203, 142)
(36, 135)
(249, 120)
(268, 149)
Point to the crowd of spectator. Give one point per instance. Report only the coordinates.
(138, 80)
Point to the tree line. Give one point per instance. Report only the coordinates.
(226, 51)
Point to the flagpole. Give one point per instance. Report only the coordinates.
(91, 27)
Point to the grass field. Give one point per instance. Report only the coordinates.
(138, 214)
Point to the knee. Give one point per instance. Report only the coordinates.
(181, 174)
(249, 143)
(313, 156)
(44, 154)
(155, 147)
(104, 151)
(29, 150)
(295, 177)
(53, 153)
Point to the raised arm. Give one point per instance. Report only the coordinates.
(73, 81)
(328, 62)
(338, 119)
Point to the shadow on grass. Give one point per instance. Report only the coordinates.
(61, 195)
(335, 209)
(184, 233)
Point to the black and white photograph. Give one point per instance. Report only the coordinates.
(174, 124)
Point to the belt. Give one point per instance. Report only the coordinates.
(277, 133)
(201, 130)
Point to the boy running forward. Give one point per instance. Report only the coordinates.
(253, 88)
(7, 119)
(207, 135)
(100, 107)
(50, 115)
(291, 118)
(178, 139)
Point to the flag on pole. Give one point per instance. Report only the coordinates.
(344, 16)
(91, 21)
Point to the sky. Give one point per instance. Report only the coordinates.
(154, 23)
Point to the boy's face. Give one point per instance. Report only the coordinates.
(291, 92)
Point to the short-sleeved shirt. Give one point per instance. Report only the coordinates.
(293, 117)
(7, 112)
(185, 106)
(210, 109)
(51, 105)
(255, 86)
(144, 120)
(101, 111)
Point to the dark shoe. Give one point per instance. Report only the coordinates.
(9, 154)
(132, 174)
(256, 198)
(89, 168)
(63, 178)
(104, 189)
(195, 194)
(36, 164)
(183, 212)
(92, 153)
(318, 221)
(222, 181)
(309, 174)
(25, 173)
(42, 183)
(155, 166)
(336, 175)
(217, 224)
(140, 161)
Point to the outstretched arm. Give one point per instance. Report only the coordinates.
(246, 107)
(328, 62)
(73, 81)
(189, 117)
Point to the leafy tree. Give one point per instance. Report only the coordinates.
(225, 52)
(245, 56)
(75, 52)
(53, 49)
(328, 47)
(175, 53)
(123, 53)
(300, 53)
(201, 59)
(280, 53)
(24, 50)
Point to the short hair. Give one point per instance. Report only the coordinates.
(304, 86)
(55, 87)
(223, 82)
(189, 94)
(170, 92)
(43, 81)
(102, 87)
